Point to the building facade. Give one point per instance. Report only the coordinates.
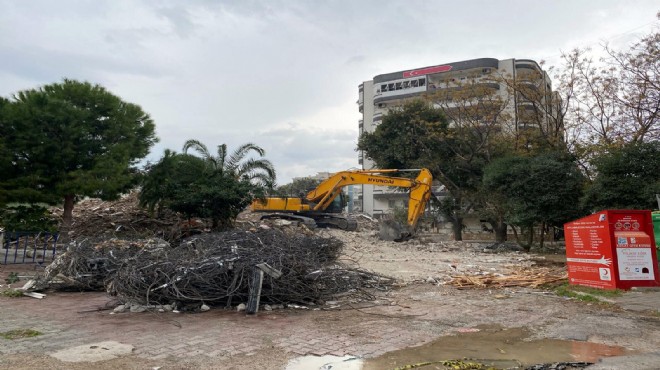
(391, 90)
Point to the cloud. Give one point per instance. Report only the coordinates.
(308, 150)
(281, 73)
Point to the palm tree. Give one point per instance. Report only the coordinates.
(259, 171)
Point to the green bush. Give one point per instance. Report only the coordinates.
(30, 217)
(12, 293)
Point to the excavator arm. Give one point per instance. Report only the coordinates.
(420, 188)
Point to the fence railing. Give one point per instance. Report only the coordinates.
(27, 247)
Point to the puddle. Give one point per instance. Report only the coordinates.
(489, 345)
(325, 363)
(494, 346)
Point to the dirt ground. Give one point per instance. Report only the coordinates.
(423, 309)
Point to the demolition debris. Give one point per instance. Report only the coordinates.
(122, 218)
(214, 269)
(520, 277)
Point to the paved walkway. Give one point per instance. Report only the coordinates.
(640, 300)
(72, 319)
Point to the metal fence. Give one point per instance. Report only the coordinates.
(27, 247)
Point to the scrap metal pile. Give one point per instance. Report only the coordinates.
(214, 268)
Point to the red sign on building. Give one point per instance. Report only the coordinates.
(427, 71)
(612, 249)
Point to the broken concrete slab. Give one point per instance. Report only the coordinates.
(94, 352)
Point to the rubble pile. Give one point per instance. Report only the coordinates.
(518, 277)
(215, 268)
(123, 218)
(365, 222)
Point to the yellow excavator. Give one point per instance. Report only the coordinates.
(322, 206)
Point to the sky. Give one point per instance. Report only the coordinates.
(283, 75)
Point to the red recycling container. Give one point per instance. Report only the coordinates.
(612, 249)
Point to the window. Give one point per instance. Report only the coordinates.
(422, 82)
(383, 87)
(390, 87)
(414, 83)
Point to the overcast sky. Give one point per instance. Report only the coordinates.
(282, 74)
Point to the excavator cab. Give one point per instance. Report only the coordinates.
(337, 205)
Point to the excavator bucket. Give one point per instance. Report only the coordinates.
(391, 230)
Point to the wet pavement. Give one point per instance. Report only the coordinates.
(421, 322)
(495, 346)
(640, 300)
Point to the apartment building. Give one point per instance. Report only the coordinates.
(390, 90)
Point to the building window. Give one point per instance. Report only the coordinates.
(383, 87)
(422, 82)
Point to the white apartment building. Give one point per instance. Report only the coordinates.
(390, 90)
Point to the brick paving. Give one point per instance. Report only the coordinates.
(71, 319)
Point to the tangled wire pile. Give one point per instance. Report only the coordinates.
(217, 268)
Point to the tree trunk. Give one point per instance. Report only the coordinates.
(515, 234)
(542, 234)
(499, 228)
(67, 217)
(457, 223)
(530, 238)
(500, 231)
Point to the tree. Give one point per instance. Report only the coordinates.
(480, 129)
(236, 165)
(638, 93)
(626, 178)
(212, 187)
(68, 140)
(418, 135)
(6, 168)
(539, 112)
(610, 101)
(544, 189)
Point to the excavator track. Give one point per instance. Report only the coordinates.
(315, 220)
(307, 221)
(335, 220)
